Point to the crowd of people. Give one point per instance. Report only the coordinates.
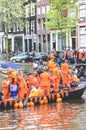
(20, 85)
(75, 56)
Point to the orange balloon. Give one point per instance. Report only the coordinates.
(28, 104)
(58, 95)
(45, 101)
(20, 105)
(16, 105)
(45, 98)
(59, 100)
(41, 102)
(31, 104)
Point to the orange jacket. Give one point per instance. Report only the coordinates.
(80, 55)
(65, 68)
(56, 74)
(22, 84)
(51, 65)
(40, 92)
(35, 81)
(30, 78)
(13, 75)
(44, 79)
(5, 89)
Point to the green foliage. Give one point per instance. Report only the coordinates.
(11, 10)
(62, 15)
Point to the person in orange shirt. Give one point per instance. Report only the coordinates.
(35, 80)
(22, 84)
(30, 80)
(40, 92)
(5, 84)
(45, 81)
(65, 73)
(56, 77)
(13, 75)
(51, 63)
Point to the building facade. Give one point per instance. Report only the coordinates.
(35, 35)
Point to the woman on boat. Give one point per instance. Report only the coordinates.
(13, 88)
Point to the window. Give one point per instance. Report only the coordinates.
(44, 38)
(32, 9)
(82, 33)
(38, 0)
(33, 26)
(27, 27)
(43, 9)
(54, 37)
(47, 8)
(39, 39)
(27, 10)
(15, 27)
(39, 24)
(43, 23)
(38, 10)
(82, 12)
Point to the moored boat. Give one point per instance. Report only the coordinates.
(64, 94)
(5, 65)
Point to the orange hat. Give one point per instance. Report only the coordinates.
(13, 75)
(34, 72)
(52, 57)
(6, 76)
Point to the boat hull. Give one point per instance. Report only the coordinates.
(51, 98)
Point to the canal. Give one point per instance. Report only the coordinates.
(58, 116)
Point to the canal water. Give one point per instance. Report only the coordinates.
(58, 116)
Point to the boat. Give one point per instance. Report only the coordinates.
(5, 65)
(64, 95)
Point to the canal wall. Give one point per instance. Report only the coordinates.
(27, 66)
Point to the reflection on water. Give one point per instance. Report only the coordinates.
(64, 116)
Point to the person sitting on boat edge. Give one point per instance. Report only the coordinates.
(34, 91)
(74, 80)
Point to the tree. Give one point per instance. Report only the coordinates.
(62, 15)
(11, 12)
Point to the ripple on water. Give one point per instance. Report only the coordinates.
(65, 116)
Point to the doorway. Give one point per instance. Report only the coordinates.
(73, 43)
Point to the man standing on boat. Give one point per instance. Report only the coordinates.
(56, 78)
(65, 73)
(51, 63)
(5, 84)
(22, 84)
(45, 81)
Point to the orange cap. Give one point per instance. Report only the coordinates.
(52, 57)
